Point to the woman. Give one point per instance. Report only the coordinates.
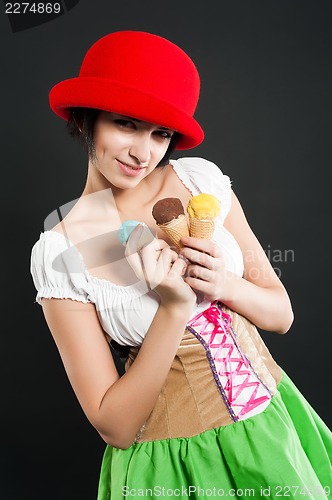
(202, 405)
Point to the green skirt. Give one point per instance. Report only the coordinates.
(284, 451)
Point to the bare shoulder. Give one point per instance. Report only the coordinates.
(85, 221)
(72, 221)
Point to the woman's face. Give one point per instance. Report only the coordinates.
(127, 149)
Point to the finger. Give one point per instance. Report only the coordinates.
(197, 257)
(132, 253)
(199, 272)
(152, 254)
(168, 254)
(132, 245)
(155, 245)
(178, 268)
(155, 264)
(146, 237)
(201, 286)
(135, 262)
(202, 245)
(165, 261)
(162, 244)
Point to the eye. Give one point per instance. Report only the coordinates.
(164, 134)
(122, 122)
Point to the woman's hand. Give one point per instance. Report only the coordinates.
(161, 268)
(206, 271)
(258, 294)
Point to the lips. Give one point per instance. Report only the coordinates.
(129, 170)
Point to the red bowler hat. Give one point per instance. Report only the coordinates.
(136, 74)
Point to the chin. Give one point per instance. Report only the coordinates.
(123, 183)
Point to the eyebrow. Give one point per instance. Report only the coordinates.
(140, 121)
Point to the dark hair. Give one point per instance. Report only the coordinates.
(81, 125)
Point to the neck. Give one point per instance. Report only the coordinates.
(139, 196)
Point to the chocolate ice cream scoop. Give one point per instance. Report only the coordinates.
(170, 217)
(167, 209)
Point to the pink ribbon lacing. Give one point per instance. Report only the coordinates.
(244, 390)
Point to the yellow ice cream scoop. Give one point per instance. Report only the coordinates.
(204, 206)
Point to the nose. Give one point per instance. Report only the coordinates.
(141, 148)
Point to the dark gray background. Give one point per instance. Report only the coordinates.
(265, 107)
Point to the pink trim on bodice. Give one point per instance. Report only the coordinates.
(244, 393)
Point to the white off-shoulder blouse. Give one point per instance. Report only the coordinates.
(126, 312)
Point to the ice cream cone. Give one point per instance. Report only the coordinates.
(201, 228)
(203, 210)
(176, 229)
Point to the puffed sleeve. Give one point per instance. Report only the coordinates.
(205, 177)
(57, 269)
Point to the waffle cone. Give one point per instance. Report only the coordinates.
(176, 229)
(201, 228)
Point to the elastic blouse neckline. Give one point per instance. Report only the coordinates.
(139, 286)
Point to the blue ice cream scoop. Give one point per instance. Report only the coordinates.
(127, 228)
